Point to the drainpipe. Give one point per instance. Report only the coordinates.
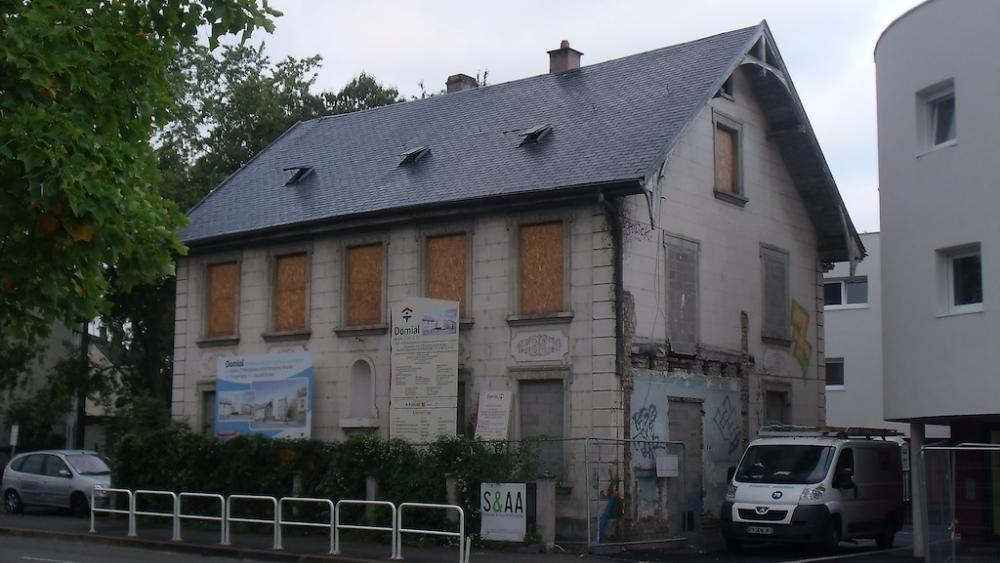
(614, 210)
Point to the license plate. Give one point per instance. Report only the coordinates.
(764, 530)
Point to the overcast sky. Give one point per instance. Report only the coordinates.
(827, 46)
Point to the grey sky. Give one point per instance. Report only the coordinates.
(827, 46)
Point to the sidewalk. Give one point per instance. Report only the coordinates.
(204, 540)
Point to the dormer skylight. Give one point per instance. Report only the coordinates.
(300, 173)
(534, 135)
(412, 155)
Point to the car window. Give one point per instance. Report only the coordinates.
(87, 464)
(33, 464)
(16, 465)
(845, 461)
(53, 465)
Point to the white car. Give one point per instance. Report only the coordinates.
(55, 478)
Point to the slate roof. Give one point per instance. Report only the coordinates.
(610, 121)
(612, 124)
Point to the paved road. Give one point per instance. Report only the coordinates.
(14, 549)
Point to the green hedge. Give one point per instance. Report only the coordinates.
(174, 458)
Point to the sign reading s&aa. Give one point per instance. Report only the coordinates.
(503, 514)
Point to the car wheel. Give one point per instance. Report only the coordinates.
(831, 537)
(888, 535)
(12, 502)
(78, 505)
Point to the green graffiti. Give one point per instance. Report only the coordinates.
(801, 349)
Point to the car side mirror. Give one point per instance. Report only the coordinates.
(65, 473)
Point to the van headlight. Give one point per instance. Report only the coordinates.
(731, 493)
(813, 493)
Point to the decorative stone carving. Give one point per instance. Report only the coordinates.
(545, 346)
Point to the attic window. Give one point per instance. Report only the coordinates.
(300, 174)
(534, 135)
(414, 154)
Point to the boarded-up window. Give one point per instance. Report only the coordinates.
(446, 273)
(364, 285)
(540, 268)
(290, 292)
(223, 282)
(775, 265)
(727, 176)
(682, 294)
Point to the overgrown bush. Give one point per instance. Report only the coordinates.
(174, 458)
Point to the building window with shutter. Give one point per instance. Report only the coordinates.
(682, 294)
(541, 264)
(728, 160)
(774, 263)
(221, 294)
(290, 292)
(363, 270)
(446, 269)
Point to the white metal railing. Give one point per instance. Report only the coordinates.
(221, 518)
(460, 534)
(226, 518)
(337, 525)
(176, 532)
(108, 491)
(281, 521)
(273, 521)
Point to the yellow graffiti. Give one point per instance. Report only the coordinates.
(801, 349)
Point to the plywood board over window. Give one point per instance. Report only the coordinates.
(364, 285)
(289, 300)
(726, 159)
(223, 280)
(446, 269)
(541, 267)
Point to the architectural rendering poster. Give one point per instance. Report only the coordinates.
(269, 394)
(494, 415)
(424, 384)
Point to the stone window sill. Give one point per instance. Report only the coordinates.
(359, 422)
(730, 197)
(783, 342)
(362, 330)
(210, 341)
(301, 334)
(564, 317)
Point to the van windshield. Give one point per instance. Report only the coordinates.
(787, 463)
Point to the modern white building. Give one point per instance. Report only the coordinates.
(938, 81)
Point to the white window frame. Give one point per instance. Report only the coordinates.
(927, 100)
(843, 293)
(946, 276)
(843, 365)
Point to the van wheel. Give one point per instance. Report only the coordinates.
(888, 535)
(12, 502)
(78, 505)
(733, 546)
(831, 537)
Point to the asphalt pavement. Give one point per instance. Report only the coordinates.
(48, 535)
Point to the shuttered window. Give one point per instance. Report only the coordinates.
(289, 300)
(446, 268)
(775, 265)
(364, 285)
(727, 176)
(223, 280)
(682, 295)
(540, 267)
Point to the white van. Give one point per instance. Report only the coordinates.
(815, 489)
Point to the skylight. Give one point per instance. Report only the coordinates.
(414, 154)
(533, 135)
(300, 173)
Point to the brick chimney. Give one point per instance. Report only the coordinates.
(564, 58)
(460, 82)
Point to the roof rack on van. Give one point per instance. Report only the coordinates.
(829, 431)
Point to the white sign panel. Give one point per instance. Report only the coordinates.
(14, 430)
(667, 465)
(503, 511)
(493, 419)
(424, 384)
(269, 394)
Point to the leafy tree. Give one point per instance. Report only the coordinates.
(82, 83)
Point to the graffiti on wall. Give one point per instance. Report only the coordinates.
(644, 429)
(801, 349)
(727, 422)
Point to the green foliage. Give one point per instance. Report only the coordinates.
(174, 458)
(82, 83)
